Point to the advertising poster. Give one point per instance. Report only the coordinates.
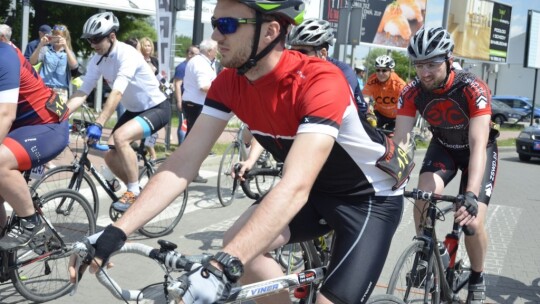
(480, 29)
(386, 22)
(532, 48)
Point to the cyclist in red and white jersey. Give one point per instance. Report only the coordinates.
(134, 85)
(457, 105)
(33, 131)
(302, 110)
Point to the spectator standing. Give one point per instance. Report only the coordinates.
(384, 87)
(199, 75)
(313, 37)
(147, 49)
(44, 30)
(31, 134)
(179, 73)
(457, 105)
(360, 74)
(57, 60)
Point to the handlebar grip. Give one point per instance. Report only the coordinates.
(468, 230)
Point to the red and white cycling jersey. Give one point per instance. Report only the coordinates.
(297, 97)
(448, 110)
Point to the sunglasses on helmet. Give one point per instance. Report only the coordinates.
(229, 25)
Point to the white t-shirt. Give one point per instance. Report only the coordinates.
(199, 73)
(126, 71)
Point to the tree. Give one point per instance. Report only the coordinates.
(74, 17)
(182, 43)
(403, 67)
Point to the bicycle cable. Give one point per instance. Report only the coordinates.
(119, 292)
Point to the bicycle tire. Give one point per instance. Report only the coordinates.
(266, 182)
(63, 177)
(225, 181)
(289, 257)
(398, 281)
(46, 279)
(311, 261)
(385, 298)
(165, 222)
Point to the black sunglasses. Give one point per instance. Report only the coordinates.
(382, 70)
(95, 40)
(229, 25)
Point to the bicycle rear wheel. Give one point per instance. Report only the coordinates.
(411, 285)
(225, 180)
(39, 271)
(265, 182)
(163, 223)
(65, 177)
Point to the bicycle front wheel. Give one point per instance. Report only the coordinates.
(65, 177)
(39, 271)
(225, 180)
(163, 223)
(411, 283)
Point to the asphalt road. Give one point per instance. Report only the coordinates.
(512, 264)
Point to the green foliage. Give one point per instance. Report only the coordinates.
(403, 67)
(182, 45)
(74, 17)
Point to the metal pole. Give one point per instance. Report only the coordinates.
(25, 25)
(197, 25)
(445, 14)
(534, 95)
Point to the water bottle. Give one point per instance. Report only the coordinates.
(445, 257)
(112, 181)
(451, 242)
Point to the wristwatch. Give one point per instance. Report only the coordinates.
(232, 266)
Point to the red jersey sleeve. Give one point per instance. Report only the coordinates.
(478, 96)
(406, 106)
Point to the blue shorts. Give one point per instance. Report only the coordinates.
(35, 145)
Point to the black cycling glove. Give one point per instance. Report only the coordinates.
(471, 203)
(111, 240)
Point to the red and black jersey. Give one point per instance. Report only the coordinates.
(448, 110)
(303, 95)
(18, 75)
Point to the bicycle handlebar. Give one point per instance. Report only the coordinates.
(431, 197)
(250, 175)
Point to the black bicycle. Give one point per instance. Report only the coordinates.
(38, 270)
(429, 271)
(78, 176)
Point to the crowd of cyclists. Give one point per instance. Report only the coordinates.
(301, 105)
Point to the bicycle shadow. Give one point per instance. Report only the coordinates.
(508, 290)
(211, 240)
(9, 295)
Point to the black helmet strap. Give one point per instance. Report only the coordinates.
(254, 57)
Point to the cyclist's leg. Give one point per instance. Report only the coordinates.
(438, 169)
(123, 160)
(477, 244)
(22, 149)
(364, 227)
(264, 266)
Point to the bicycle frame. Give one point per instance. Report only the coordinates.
(448, 276)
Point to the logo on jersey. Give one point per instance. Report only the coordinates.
(481, 102)
(445, 113)
(400, 103)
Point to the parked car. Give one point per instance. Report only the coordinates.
(528, 143)
(501, 113)
(519, 103)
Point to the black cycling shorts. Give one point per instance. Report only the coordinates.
(363, 227)
(150, 120)
(445, 163)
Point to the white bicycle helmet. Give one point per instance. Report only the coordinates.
(385, 61)
(427, 44)
(100, 25)
(312, 32)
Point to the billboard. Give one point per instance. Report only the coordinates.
(388, 23)
(532, 46)
(480, 29)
